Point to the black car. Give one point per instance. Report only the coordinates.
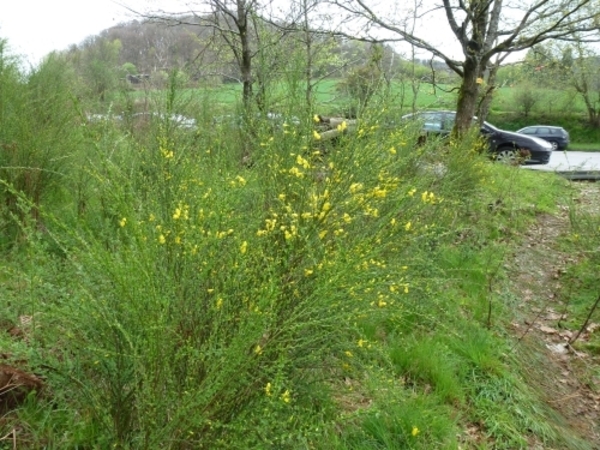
(505, 146)
(557, 136)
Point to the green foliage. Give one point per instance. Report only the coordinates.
(401, 423)
(39, 137)
(526, 98)
(250, 285)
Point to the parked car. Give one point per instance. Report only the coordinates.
(505, 146)
(557, 136)
(178, 120)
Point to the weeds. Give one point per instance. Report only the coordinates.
(192, 290)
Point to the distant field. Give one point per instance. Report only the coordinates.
(552, 107)
(549, 102)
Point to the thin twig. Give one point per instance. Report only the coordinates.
(587, 320)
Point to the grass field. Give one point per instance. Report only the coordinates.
(564, 109)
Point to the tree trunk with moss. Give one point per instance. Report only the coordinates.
(467, 97)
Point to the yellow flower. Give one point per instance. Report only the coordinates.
(408, 226)
(379, 192)
(167, 154)
(342, 126)
(296, 171)
(162, 239)
(308, 272)
(316, 118)
(286, 396)
(258, 350)
(361, 342)
(268, 389)
(355, 187)
(316, 135)
(415, 431)
(348, 353)
(281, 197)
(381, 303)
(393, 150)
(244, 247)
(219, 303)
(123, 222)
(412, 192)
(302, 162)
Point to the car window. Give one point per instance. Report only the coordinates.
(544, 131)
(433, 121)
(528, 130)
(448, 122)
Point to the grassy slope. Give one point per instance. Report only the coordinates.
(348, 302)
(224, 289)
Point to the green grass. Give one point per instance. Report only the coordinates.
(504, 114)
(265, 289)
(576, 146)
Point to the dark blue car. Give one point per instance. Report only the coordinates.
(557, 136)
(505, 146)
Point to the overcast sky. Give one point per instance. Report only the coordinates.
(34, 28)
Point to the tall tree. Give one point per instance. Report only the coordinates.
(314, 42)
(584, 73)
(482, 28)
(98, 65)
(237, 23)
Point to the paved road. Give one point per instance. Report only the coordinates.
(572, 164)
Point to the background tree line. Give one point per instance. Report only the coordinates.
(143, 52)
(243, 41)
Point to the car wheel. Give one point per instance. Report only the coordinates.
(554, 145)
(506, 156)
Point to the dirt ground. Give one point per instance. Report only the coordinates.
(568, 378)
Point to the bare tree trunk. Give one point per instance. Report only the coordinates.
(246, 59)
(488, 96)
(467, 97)
(593, 114)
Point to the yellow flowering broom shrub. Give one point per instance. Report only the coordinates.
(223, 297)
